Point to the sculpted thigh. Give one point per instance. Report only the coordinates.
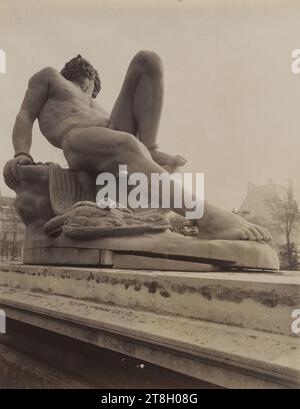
(94, 149)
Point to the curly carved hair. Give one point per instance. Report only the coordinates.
(79, 67)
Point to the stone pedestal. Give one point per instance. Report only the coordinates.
(228, 329)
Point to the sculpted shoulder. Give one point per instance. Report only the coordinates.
(46, 75)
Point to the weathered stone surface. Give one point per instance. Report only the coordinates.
(221, 354)
(250, 300)
(47, 190)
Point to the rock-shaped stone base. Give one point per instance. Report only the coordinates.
(62, 250)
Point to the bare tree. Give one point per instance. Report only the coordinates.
(285, 213)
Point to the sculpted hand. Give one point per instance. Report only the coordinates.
(10, 171)
(105, 123)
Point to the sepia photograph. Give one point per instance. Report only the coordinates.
(149, 197)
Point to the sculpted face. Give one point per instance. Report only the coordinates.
(81, 72)
(87, 85)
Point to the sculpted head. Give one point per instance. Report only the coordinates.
(79, 70)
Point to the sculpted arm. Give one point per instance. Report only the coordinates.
(35, 97)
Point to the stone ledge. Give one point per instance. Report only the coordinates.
(32, 357)
(33, 373)
(220, 354)
(257, 301)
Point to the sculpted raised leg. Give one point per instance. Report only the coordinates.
(139, 104)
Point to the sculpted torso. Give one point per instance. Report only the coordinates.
(67, 107)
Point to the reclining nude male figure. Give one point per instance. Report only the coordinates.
(91, 140)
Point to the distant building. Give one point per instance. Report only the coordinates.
(12, 231)
(257, 196)
(255, 208)
(255, 204)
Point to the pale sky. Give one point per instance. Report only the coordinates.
(231, 100)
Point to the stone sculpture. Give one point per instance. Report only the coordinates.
(58, 205)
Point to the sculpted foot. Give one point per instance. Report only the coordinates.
(224, 225)
(167, 161)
